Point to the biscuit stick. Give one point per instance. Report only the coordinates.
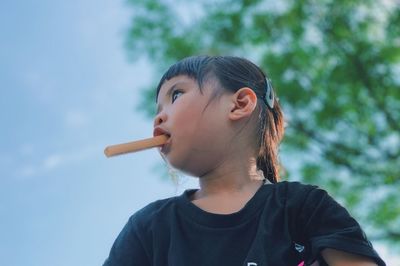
(135, 145)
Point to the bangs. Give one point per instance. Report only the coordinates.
(195, 67)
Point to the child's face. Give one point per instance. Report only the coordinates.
(199, 129)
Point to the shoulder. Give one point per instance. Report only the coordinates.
(296, 191)
(304, 198)
(294, 186)
(154, 212)
(134, 242)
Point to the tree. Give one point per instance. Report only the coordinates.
(336, 67)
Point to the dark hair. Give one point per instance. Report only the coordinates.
(234, 73)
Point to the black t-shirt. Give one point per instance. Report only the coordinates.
(282, 224)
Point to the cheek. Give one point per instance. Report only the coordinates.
(197, 147)
(185, 120)
(200, 126)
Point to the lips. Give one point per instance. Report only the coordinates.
(160, 131)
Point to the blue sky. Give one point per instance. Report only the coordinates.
(67, 91)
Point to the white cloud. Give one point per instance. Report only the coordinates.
(75, 119)
(55, 161)
(51, 162)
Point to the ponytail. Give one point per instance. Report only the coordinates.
(271, 133)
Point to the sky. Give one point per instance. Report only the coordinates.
(68, 91)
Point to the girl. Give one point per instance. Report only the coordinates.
(224, 125)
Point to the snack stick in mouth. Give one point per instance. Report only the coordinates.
(135, 145)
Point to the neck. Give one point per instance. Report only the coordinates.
(233, 177)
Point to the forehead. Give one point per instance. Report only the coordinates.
(181, 81)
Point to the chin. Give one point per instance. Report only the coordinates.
(192, 164)
(185, 168)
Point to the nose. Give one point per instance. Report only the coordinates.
(160, 118)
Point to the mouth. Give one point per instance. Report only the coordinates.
(160, 131)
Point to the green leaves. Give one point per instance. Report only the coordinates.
(335, 66)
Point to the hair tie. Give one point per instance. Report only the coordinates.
(269, 96)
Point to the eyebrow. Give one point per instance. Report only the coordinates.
(167, 95)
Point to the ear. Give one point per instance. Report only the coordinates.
(244, 101)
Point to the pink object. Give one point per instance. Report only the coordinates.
(301, 263)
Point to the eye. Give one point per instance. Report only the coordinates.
(175, 95)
